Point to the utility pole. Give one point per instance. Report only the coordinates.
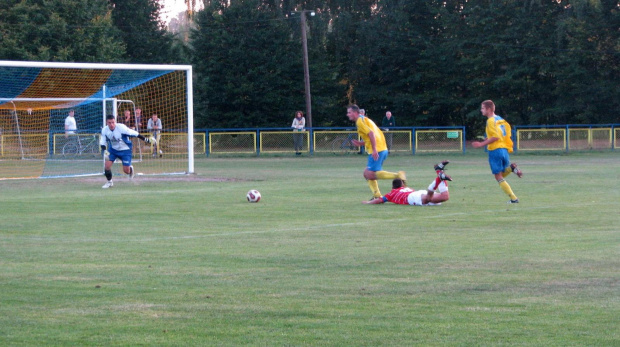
(304, 44)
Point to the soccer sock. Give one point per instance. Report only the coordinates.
(385, 175)
(443, 187)
(433, 186)
(108, 174)
(507, 172)
(374, 188)
(506, 188)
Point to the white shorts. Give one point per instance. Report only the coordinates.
(415, 198)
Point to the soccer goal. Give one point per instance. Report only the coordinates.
(51, 115)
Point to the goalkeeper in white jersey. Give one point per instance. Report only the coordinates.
(116, 143)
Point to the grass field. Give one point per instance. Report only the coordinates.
(187, 261)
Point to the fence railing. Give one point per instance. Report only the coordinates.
(330, 140)
(406, 140)
(567, 137)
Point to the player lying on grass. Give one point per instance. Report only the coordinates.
(115, 138)
(403, 195)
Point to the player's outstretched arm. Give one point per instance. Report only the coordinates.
(373, 201)
(148, 140)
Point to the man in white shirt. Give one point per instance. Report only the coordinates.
(70, 124)
(154, 126)
(116, 143)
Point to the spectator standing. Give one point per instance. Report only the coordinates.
(299, 124)
(70, 124)
(388, 122)
(127, 120)
(154, 125)
(138, 119)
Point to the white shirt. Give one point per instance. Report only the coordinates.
(117, 139)
(70, 125)
(299, 124)
(150, 125)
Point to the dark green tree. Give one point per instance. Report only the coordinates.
(143, 32)
(248, 66)
(59, 30)
(385, 69)
(588, 63)
(432, 62)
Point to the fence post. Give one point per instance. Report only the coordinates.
(207, 144)
(257, 142)
(464, 140)
(413, 142)
(567, 138)
(515, 144)
(311, 140)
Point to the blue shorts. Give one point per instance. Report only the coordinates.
(124, 156)
(499, 160)
(376, 165)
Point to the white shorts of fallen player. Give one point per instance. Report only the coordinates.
(415, 198)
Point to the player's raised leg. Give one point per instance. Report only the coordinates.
(441, 184)
(514, 168)
(441, 166)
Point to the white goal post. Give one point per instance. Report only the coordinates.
(41, 103)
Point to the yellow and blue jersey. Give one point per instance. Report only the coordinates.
(499, 128)
(364, 126)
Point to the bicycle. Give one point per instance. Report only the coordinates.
(344, 145)
(73, 148)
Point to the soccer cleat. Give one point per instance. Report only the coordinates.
(161, 153)
(442, 176)
(516, 170)
(108, 184)
(515, 201)
(132, 173)
(403, 177)
(375, 198)
(441, 166)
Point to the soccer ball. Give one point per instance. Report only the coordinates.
(253, 195)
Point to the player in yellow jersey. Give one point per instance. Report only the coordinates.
(499, 144)
(374, 142)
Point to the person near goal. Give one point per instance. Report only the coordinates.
(499, 144)
(70, 124)
(403, 195)
(154, 126)
(116, 143)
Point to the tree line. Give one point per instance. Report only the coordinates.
(429, 62)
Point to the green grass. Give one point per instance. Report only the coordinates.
(186, 262)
